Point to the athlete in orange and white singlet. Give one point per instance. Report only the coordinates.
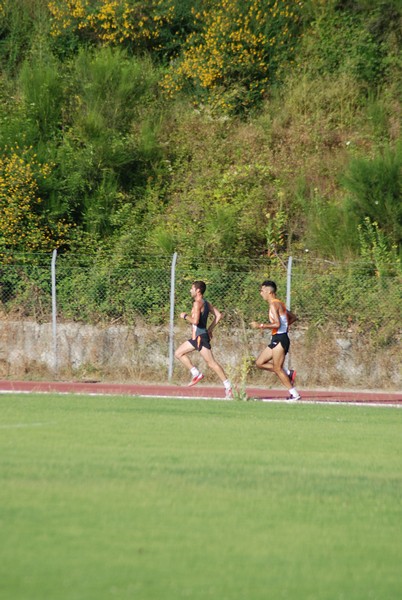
(272, 358)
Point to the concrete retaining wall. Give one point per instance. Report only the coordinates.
(140, 353)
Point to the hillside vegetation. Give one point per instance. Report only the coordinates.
(228, 131)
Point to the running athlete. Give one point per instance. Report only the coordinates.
(272, 357)
(201, 336)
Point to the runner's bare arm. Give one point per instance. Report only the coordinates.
(291, 317)
(274, 321)
(194, 318)
(216, 317)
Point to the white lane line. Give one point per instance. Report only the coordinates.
(333, 402)
(271, 400)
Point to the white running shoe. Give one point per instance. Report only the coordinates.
(292, 398)
(196, 379)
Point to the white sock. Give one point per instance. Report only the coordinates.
(195, 372)
(227, 384)
(294, 392)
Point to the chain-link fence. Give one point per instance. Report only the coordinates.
(93, 292)
(117, 319)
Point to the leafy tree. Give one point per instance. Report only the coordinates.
(109, 143)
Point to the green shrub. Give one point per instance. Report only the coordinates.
(340, 42)
(23, 23)
(331, 230)
(41, 87)
(376, 249)
(375, 190)
(109, 143)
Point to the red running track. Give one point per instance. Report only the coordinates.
(199, 391)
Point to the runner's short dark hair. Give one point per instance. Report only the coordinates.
(200, 285)
(269, 283)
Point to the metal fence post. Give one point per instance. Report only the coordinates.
(289, 282)
(54, 311)
(288, 297)
(171, 328)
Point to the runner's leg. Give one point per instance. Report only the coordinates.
(278, 358)
(207, 355)
(264, 360)
(181, 353)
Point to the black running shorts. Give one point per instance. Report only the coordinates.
(280, 338)
(201, 341)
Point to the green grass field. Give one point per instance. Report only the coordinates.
(156, 499)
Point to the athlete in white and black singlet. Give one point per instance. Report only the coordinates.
(201, 337)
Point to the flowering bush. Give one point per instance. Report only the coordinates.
(231, 56)
(24, 226)
(112, 21)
